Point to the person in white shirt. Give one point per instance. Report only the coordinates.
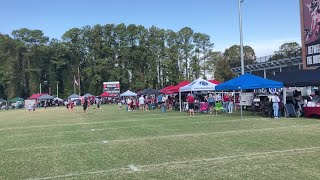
(29, 107)
(129, 101)
(120, 104)
(275, 104)
(141, 103)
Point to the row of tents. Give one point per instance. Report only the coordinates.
(171, 89)
(13, 100)
(244, 82)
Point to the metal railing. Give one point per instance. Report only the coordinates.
(275, 57)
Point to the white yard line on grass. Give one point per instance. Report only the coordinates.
(134, 168)
(160, 137)
(213, 133)
(79, 174)
(194, 161)
(131, 120)
(246, 155)
(127, 127)
(134, 115)
(88, 123)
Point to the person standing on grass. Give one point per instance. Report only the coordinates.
(129, 101)
(134, 104)
(29, 107)
(159, 99)
(71, 105)
(119, 105)
(226, 100)
(211, 102)
(190, 100)
(275, 104)
(85, 104)
(34, 107)
(141, 103)
(230, 104)
(98, 103)
(146, 100)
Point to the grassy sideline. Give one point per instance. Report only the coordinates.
(110, 144)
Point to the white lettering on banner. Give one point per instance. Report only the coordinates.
(309, 60)
(314, 49)
(313, 54)
(316, 59)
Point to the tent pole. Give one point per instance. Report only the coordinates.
(241, 103)
(234, 100)
(284, 94)
(180, 100)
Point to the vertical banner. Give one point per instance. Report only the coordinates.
(310, 35)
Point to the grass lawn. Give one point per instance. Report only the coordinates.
(110, 144)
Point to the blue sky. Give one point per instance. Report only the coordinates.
(266, 23)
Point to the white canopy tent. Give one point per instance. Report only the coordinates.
(197, 85)
(128, 93)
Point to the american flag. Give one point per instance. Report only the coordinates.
(75, 81)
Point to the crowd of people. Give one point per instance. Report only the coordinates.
(191, 103)
(145, 103)
(210, 103)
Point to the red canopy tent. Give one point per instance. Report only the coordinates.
(176, 88)
(35, 96)
(106, 94)
(166, 90)
(214, 81)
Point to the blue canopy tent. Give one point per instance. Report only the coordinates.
(246, 82)
(128, 93)
(74, 96)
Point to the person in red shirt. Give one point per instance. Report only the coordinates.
(190, 100)
(226, 100)
(71, 105)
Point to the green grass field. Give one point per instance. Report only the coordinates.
(111, 144)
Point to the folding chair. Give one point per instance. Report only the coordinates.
(218, 107)
(290, 110)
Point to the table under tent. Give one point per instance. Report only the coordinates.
(248, 82)
(3, 104)
(45, 100)
(195, 86)
(304, 80)
(16, 103)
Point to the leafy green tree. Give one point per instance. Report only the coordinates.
(174, 74)
(203, 46)
(234, 58)
(290, 49)
(186, 46)
(36, 58)
(132, 54)
(219, 66)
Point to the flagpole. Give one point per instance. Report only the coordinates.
(241, 36)
(79, 80)
(74, 84)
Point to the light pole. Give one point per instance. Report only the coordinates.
(241, 36)
(241, 48)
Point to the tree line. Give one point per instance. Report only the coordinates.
(137, 56)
